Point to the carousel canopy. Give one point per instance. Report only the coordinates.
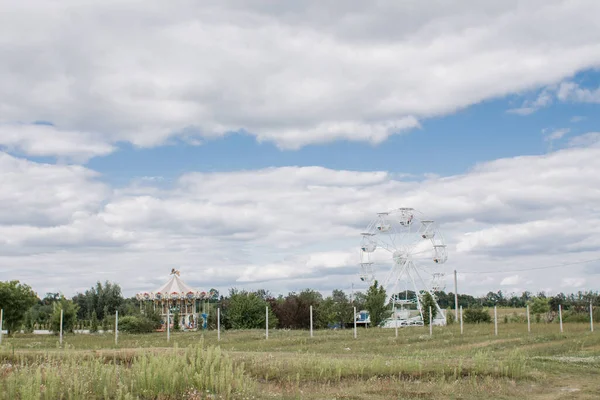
(175, 288)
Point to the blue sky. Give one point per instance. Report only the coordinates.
(445, 145)
(249, 145)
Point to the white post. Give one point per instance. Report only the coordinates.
(560, 317)
(455, 296)
(461, 321)
(311, 322)
(168, 325)
(2, 318)
(116, 327)
(528, 320)
(61, 328)
(354, 322)
(218, 324)
(430, 323)
(267, 322)
(495, 321)
(591, 321)
(395, 317)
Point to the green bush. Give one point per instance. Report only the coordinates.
(136, 324)
(450, 317)
(569, 316)
(476, 316)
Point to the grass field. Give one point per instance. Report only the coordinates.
(545, 364)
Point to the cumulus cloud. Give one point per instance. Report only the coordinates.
(285, 73)
(282, 228)
(46, 140)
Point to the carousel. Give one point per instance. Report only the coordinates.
(176, 297)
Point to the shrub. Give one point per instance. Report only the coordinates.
(136, 324)
(450, 317)
(476, 316)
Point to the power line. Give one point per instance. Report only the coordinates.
(529, 269)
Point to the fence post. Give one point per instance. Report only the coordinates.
(218, 324)
(591, 319)
(311, 322)
(267, 322)
(455, 296)
(1, 320)
(495, 321)
(116, 327)
(528, 320)
(61, 328)
(395, 317)
(354, 322)
(430, 323)
(560, 317)
(461, 320)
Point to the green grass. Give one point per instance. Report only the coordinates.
(290, 364)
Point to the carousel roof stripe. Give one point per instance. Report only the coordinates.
(175, 284)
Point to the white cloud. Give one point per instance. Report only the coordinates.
(46, 195)
(573, 283)
(585, 140)
(570, 91)
(280, 228)
(566, 91)
(544, 99)
(285, 73)
(511, 280)
(557, 134)
(44, 140)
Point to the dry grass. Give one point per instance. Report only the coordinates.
(332, 364)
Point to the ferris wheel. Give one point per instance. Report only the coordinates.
(408, 250)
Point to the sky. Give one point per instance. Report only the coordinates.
(249, 143)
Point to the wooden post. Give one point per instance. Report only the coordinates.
(218, 324)
(560, 317)
(461, 320)
(455, 296)
(495, 321)
(430, 322)
(116, 327)
(311, 322)
(528, 320)
(168, 325)
(61, 327)
(591, 320)
(267, 322)
(1, 320)
(354, 322)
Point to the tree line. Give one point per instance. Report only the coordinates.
(95, 308)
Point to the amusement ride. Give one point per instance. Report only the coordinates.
(407, 250)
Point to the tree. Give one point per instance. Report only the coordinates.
(15, 299)
(69, 309)
(176, 321)
(246, 310)
(105, 299)
(293, 312)
(375, 303)
(94, 324)
(427, 302)
(539, 306)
